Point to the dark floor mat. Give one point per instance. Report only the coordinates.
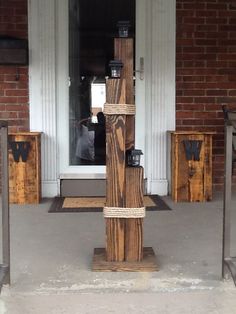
(57, 206)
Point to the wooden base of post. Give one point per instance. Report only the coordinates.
(148, 263)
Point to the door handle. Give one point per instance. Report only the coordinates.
(141, 68)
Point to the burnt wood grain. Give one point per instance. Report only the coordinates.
(123, 49)
(25, 177)
(115, 171)
(148, 264)
(191, 178)
(134, 226)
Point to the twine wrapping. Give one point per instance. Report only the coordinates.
(122, 109)
(122, 212)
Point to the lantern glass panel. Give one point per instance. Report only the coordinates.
(123, 31)
(123, 28)
(136, 160)
(133, 157)
(115, 66)
(115, 72)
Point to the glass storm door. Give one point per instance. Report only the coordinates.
(91, 28)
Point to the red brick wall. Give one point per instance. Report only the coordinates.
(14, 102)
(206, 69)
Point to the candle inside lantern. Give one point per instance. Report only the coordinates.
(133, 157)
(123, 28)
(115, 66)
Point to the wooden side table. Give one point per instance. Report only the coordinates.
(191, 166)
(25, 167)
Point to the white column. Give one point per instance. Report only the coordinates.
(160, 90)
(42, 86)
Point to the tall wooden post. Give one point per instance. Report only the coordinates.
(123, 50)
(124, 236)
(115, 165)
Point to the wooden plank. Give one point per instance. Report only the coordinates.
(208, 167)
(25, 133)
(116, 91)
(38, 167)
(190, 132)
(115, 171)
(174, 166)
(123, 50)
(148, 263)
(134, 227)
(191, 179)
(182, 170)
(195, 173)
(25, 177)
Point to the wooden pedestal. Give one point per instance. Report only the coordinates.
(148, 263)
(25, 176)
(191, 166)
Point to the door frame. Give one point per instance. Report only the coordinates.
(65, 170)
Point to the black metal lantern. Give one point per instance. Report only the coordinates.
(116, 66)
(133, 157)
(123, 28)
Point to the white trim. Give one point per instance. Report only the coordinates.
(49, 188)
(63, 98)
(62, 86)
(82, 176)
(35, 94)
(140, 95)
(159, 187)
(160, 89)
(42, 86)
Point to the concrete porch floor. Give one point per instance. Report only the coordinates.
(52, 254)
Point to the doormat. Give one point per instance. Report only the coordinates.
(96, 204)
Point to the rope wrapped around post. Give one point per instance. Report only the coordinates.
(122, 212)
(119, 109)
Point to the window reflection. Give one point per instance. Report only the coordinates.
(87, 127)
(92, 28)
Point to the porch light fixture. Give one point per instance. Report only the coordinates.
(116, 66)
(123, 28)
(133, 157)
